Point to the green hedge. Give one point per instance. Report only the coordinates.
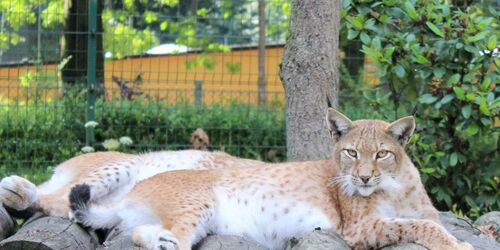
(36, 136)
(437, 60)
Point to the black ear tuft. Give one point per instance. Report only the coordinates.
(79, 196)
(337, 123)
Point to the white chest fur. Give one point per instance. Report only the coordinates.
(267, 217)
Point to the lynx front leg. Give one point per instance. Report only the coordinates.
(185, 231)
(154, 237)
(383, 232)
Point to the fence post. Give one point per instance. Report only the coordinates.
(198, 93)
(91, 70)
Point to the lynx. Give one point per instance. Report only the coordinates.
(111, 176)
(369, 192)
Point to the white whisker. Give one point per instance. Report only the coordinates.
(344, 182)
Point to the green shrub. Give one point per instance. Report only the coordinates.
(38, 135)
(438, 61)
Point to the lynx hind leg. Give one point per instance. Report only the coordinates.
(94, 216)
(155, 237)
(17, 193)
(110, 183)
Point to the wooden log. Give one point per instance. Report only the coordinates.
(7, 224)
(49, 233)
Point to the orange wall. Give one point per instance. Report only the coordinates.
(166, 77)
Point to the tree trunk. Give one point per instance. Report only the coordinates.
(309, 74)
(49, 233)
(7, 224)
(262, 52)
(74, 43)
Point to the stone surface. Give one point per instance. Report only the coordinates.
(463, 230)
(491, 219)
(7, 224)
(123, 242)
(56, 233)
(49, 233)
(410, 246)
(225, 242)
(318, 239)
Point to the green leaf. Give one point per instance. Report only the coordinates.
(410, 10)
(357, 22)
(479, 36)
(453, 159)
(486, 83)
(388, 51)
(470, 201)
(492, 42)
(459, 92)
(376, 43)
(447, 99)
(428, 170)
(435, 29)
(471, 130)
(163, 25)
(439, 72)
(365, 38)
(351, 34)
(400, 71)
(466, 111)
(453, 79)
(470, 96)
(483, 106)
(427, 99)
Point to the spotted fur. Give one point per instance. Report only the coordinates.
(109, 175)
(369, 192)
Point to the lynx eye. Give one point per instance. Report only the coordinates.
(382, 154)
(352, 153)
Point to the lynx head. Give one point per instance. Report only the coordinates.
(370, 153)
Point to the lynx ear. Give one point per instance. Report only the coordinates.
(402, 129)
(337, 123)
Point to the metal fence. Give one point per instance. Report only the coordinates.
(153, 71)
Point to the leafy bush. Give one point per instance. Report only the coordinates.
(38, 135)
(439, 61)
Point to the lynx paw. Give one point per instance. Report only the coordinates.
(465, 246)
(17, 192)
(154, 237)
(165, 240)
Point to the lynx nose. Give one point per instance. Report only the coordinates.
(365, 179)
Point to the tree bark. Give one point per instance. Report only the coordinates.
(74, 43)
(309, 74)
(262, 52)
(7, 224)
(49, 233)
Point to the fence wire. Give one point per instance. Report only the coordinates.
(163, 69)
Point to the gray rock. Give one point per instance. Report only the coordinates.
(226, 242)
(409, 246)
(122, 242)
(463, 230)
(7, 224)
(318, 239)
(491, 218)
(52, 233)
